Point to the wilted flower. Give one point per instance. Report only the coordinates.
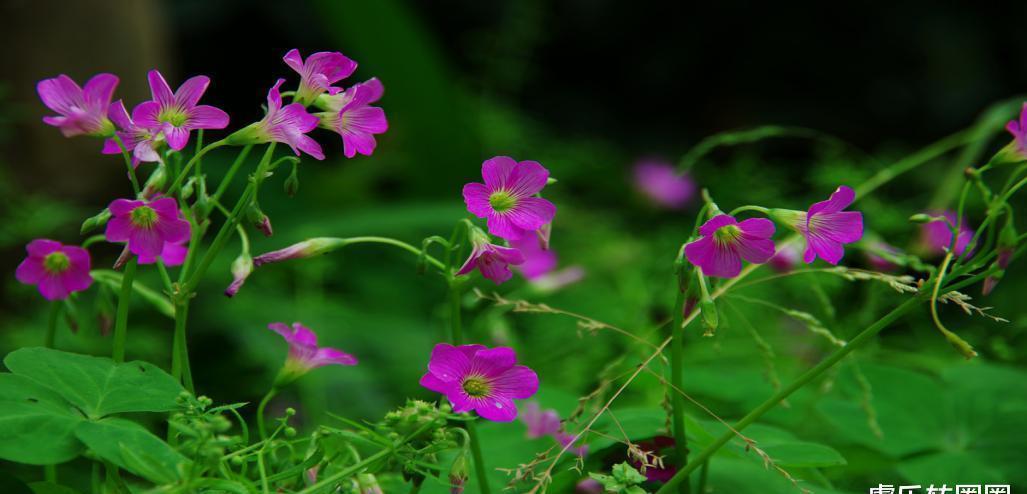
(936, 236)
(82, 110)
(176, 114)
(304, 354)
(173, 254)
(351, 116)
(825, 225)
(146, 226)
(660, 182)
(139, 141)
(242, 266)
(506, 197)
(492, 260)
(55, 269)
(726, 241)
(318, 72)
(287, 125)
(540, 423)
(477, 378)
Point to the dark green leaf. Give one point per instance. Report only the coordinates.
(130, 446)
(36, 425)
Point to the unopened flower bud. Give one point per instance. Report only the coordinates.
(242, 266)
(458, 473)
(709, 315)
(259, 220)
(925, 218)
(292, 182)
(307, 248)
(155, 183)
(95, 222)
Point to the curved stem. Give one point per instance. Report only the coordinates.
(758, 209)
(395, 243)
(260, 411)
(121, 318)
(860, 339)
(173, 189)
(51, 327)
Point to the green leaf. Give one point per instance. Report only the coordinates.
(130, 446)
(36, 425)
(96, 385)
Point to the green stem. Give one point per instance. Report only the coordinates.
(758, 209)
(173, 189)
(479, 464)
(914, 160)
(260, 411)
(50, 473)
(703, 474)
(676, 374)
(395, 243)
(128, 164)
(227, 179)
(860, 339)
(121, 318)
(180, 368)
(51, 327)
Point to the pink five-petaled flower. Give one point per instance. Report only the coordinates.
(351, 115)
(492, 260)
(146, 226)
(506, 198)
(287, 125)
(540, 423)
(304, 354)
(825, 225)
(936, 236)
(141, 142)
(176, 114)
(318, 72)
(726, 241)
(660, 183)
(56, 269)
(486, 380)
(82, 110)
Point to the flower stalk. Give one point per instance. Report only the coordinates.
(121, 317)
(677, 358)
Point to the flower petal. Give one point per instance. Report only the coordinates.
(496, 408)
(493, 362)
(518, 382)
(207, 117)
(476, 196)
(190, 92)
(839, 200)
(531, 213)
(99, 90)
(716, 222)
(448, 363)
(159, 89)
(528, 178)
(496, 171)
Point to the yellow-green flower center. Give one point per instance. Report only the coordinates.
(502, 201)
(476, 387)
(56, 262)
(174, 116)
(727, 234)
(143, 217)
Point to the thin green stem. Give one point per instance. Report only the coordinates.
(863, 337)
(456, 337)
(260, 411)
(121, 318)
(677, 358)
(230, 174)
(51, 326)
(758, 209)
(914, 160)
(479, 464)
(396, 243)
(50, 473)
(704, 473)
(180, 368)
(128, 164)
(180, 178)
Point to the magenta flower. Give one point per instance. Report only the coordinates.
(55, 269)
(287, 125)
(506, 197)
(784, 259)
(589, 486)
(351, 116)
(307, 248)
(304, 354)
(141, 142)
(319, 72)
(1019, 130)
(82, 110)
(172, 254)
(825, 225)
(176, 114)
(726, 241)
(485, 380)
(146, 226)
(936, 236)
(538, 261)
(660, 183)
(492, 260)
(540, 423)
(880, 262)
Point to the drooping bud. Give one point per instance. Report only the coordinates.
(242, 266)
(709, 315)
(292, 182)
(368, 484)
(458, 472)
(94, 222)
(259, 220)
(307, 248)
